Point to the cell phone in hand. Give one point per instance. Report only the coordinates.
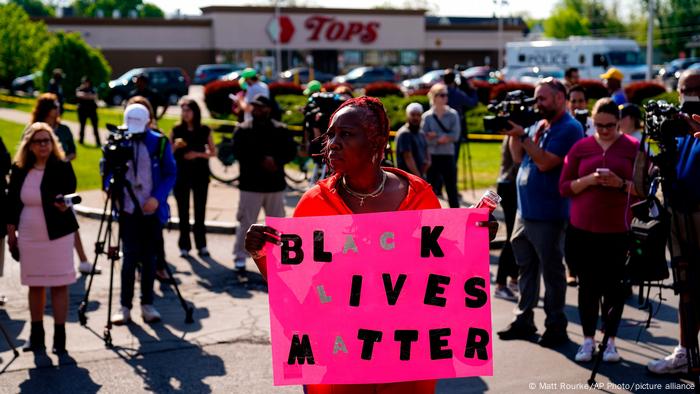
(603, 171)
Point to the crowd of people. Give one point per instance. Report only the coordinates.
(566, 186)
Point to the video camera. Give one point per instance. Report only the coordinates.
(118, 150)
(516, 107)
(664, 121)
(317, 116)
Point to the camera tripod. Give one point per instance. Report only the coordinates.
(683, 256)
(104, 239)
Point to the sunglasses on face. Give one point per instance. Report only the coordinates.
(41, 141)
(441, 95)
(606, 126)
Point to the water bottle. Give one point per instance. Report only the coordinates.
(489, 200)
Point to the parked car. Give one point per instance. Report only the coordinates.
(425, 81)
(533, 75)
(672, 71)
(361, 76)
(483, 73)
(170, 82)
(288, 75)
(206, 73)
(25, 83)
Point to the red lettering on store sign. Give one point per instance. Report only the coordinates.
(315, 24)
(354, 28)
(334, 30)
(370, 33)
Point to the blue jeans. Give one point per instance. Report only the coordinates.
(139, 235)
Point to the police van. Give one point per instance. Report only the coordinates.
(592, 56)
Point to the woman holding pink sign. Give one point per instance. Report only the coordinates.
(354, 147)
(597, 176)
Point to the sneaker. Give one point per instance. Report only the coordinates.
(184, 253)
(505, 293)
(585, 352)
(123, 316)
(513, 286)
(203, 252)
(149, 313)
(676, 362)
(85, 267)
(610, 355)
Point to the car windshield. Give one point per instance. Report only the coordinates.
(357, 72)
(624, 58)
(126, 77)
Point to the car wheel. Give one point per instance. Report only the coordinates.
(117, 99)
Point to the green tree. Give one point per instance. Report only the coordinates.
(22, 41)
(678, 23)
(565, 22)
(35, 7)
(69, 52)
(89, 8)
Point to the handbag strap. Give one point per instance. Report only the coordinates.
(442, 126)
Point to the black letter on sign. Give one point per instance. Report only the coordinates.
(479, 294)
(433, 289)
(369, 337)
(291, 243)
(319, 253)
(429, 241)
(477, 339)
(300, 351)
(392, 293)
(436, 344)
(406, 337)
(355, 290)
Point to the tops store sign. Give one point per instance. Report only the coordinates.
(324, 28)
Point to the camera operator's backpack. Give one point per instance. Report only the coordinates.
(649, 232)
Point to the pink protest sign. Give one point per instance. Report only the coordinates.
(378, 298)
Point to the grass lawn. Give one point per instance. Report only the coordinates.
(86, 165)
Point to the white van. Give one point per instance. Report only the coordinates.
(592, 56)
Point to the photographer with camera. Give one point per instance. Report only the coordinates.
(578, 108)
(542, 214)
(686, 215)
(597, 176)
(141, 198)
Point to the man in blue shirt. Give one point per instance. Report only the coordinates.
(460, 101)
(613, 81)
(542, 214)
(685, 202)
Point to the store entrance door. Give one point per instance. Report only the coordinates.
(326, 60)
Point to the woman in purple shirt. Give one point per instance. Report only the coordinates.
(597, 177)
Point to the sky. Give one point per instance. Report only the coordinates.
(445, 7)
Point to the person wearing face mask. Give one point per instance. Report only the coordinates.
(597, 177)
(542, 214)
(262, 147)
(411, 146)
(686, 215)
(151, 173)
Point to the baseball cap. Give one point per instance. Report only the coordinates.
(261, 99)
(136, 118)
(613, 73)
(414, 107)
(248, 73)
(312, 87)
(630, 109)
